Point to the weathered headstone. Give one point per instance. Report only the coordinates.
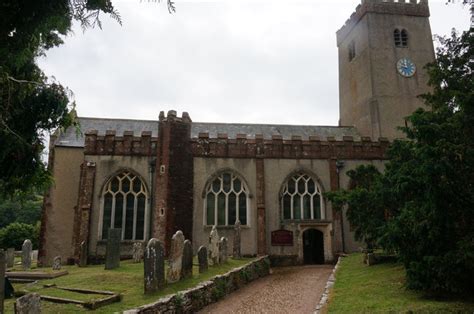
(26, 254)
(371, 260)
(83, 254)
(187, 269)
(137, 252)
(57, 263)
(176, 257)
(112, 249)
(223, 250)
(10, 257)
(214, 245)
(34, 256)
(28, 304)
(154, 266)
(236, 248)
(3, 265)
(202, 259)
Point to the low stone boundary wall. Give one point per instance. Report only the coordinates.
(194, 299)
(323, 302)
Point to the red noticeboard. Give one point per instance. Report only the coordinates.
(282, 238)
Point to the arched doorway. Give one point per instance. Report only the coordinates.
(313, 247)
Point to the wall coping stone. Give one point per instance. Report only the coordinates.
(205, 290)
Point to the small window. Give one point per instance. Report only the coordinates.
(400, 38)
(226, 201)
(352, 51)
(404, 38)
(302, 199)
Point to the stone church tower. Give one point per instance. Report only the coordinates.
(383, 48)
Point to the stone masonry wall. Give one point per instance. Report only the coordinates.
(194, 299)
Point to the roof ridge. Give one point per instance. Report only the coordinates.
(276, 124)
(116, 119)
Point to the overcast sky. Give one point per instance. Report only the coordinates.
(222, 61)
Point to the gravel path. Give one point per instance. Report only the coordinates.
(287, 290)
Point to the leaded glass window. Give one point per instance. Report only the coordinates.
(226, 201)
(302, 198)
(124, 205)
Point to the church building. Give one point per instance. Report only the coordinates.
(151, 178)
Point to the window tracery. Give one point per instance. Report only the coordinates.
(125, 206)
(226, 200)
(302, 198)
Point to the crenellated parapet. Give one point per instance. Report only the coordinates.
(312, 147)
(402, 7)
(127, 144)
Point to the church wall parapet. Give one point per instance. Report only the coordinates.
(404, 7)
(295, 148)
(127, 144)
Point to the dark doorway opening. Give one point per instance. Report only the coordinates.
(313, 247)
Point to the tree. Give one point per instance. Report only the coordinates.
(427, 188)
(14, 235)
(430, 177)
(32, 105)
(364, 210)
(22, 208)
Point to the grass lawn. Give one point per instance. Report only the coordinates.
(381, 289)
(127, 280)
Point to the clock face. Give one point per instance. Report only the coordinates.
(406, 67)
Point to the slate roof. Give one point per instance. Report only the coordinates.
(71, 139)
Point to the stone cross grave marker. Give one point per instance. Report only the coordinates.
(83, 254)
(187, 269)
(57, 263)
(10, 257)
(223, 250)
(28, 304)
(175, 261)
(214, 245)
(236, 248)
(3, 265)
(154, 266)
(202, 258)
(112, 250)
(26, 254)
(137, 252)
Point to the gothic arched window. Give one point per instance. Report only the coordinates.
(226, 200)
(302, 198)
(400, 38)
(125, 206)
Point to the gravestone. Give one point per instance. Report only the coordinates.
(10, 257)
(57, 263)
(26, 254)
(236, 248)
(3, 265)
(34, 256)
(187, 269)
(175, 262)
(112, 250)
(154, 266)
(223, 250)
(202, 259)
(28, 304)
(214, 246)
(137, 252)
(371, 260)
(83, 254)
